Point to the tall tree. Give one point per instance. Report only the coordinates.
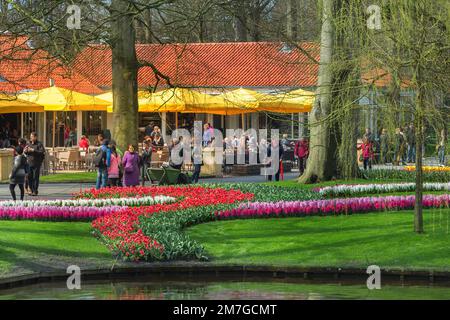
(322, 158)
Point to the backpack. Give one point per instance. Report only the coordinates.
(100, 158)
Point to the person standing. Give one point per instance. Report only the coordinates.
(367, 153)
(146, 158)
(102, 160)
(301, 151)
(197, 158)
(273, 149)
(399, 149)
(158, 141)
(23, 143)
(84, 143)
(368, 135)
(130, 164)
(441, 148)
(384, 146)
(114, 168)
(35, 153)
(18, 173)
(411, 144)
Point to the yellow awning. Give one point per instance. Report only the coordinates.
(242, 100)
(12, 104)
(292, 102)
(60, 99)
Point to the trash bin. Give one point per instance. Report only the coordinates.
(6, 163)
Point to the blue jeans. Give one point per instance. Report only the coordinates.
(441, 155)
(196, 175)
(411, 153)
(102, 178)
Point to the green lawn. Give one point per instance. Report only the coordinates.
(384, 239)
(36, 246)
(81, 177)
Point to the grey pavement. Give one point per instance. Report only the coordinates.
(49, 191)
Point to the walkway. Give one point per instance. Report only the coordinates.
(65, 190)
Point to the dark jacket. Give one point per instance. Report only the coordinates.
(35, 157)
(19, 170)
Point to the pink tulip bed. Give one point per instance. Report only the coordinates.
(331, 207)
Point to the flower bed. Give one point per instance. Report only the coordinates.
(53, 213)
(406, 176)
(331, 207)
(129, 202)
(121, 231)
(428, 168)
(351, 190)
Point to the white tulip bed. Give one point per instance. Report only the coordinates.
(351, 190)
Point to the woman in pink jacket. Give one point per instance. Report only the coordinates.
(114, 168)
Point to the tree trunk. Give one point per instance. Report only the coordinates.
(292, 20)
(322, 159)
(124, 72)
(240, 19)
(420, 105)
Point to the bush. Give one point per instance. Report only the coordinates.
(402, 175)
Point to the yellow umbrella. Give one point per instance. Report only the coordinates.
(292, 102)
(11, 104)
(60, 99)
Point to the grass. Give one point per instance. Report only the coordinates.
(384, 239)
(73, 177)
(27, 246)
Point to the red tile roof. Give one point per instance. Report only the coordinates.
(22, 67)
(246, 64)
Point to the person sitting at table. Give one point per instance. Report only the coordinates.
(84, 143)
(158, 141)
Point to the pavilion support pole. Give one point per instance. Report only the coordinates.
(164, 125)
(22, 131)
(176, 120)
(54, 128)
(243, 121)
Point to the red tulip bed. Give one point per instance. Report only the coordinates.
(122, 230)
(144, 231)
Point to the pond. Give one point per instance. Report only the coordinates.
(221, 290)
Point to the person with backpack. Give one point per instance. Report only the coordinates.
(131, 162)
(18, 173)
(102, 160)
(35, 152)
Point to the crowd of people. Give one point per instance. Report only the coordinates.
(399, 149)
(129, 167)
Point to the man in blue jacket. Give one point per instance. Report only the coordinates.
(103, 165)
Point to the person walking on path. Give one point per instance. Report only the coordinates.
(35, 153)
(102, 160)
(130, 164)
(301, 151)
(18, 173)
(114, 168)
(367, 153)
(384, 146)
(441, 148)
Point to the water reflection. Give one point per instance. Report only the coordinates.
(226, 290)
